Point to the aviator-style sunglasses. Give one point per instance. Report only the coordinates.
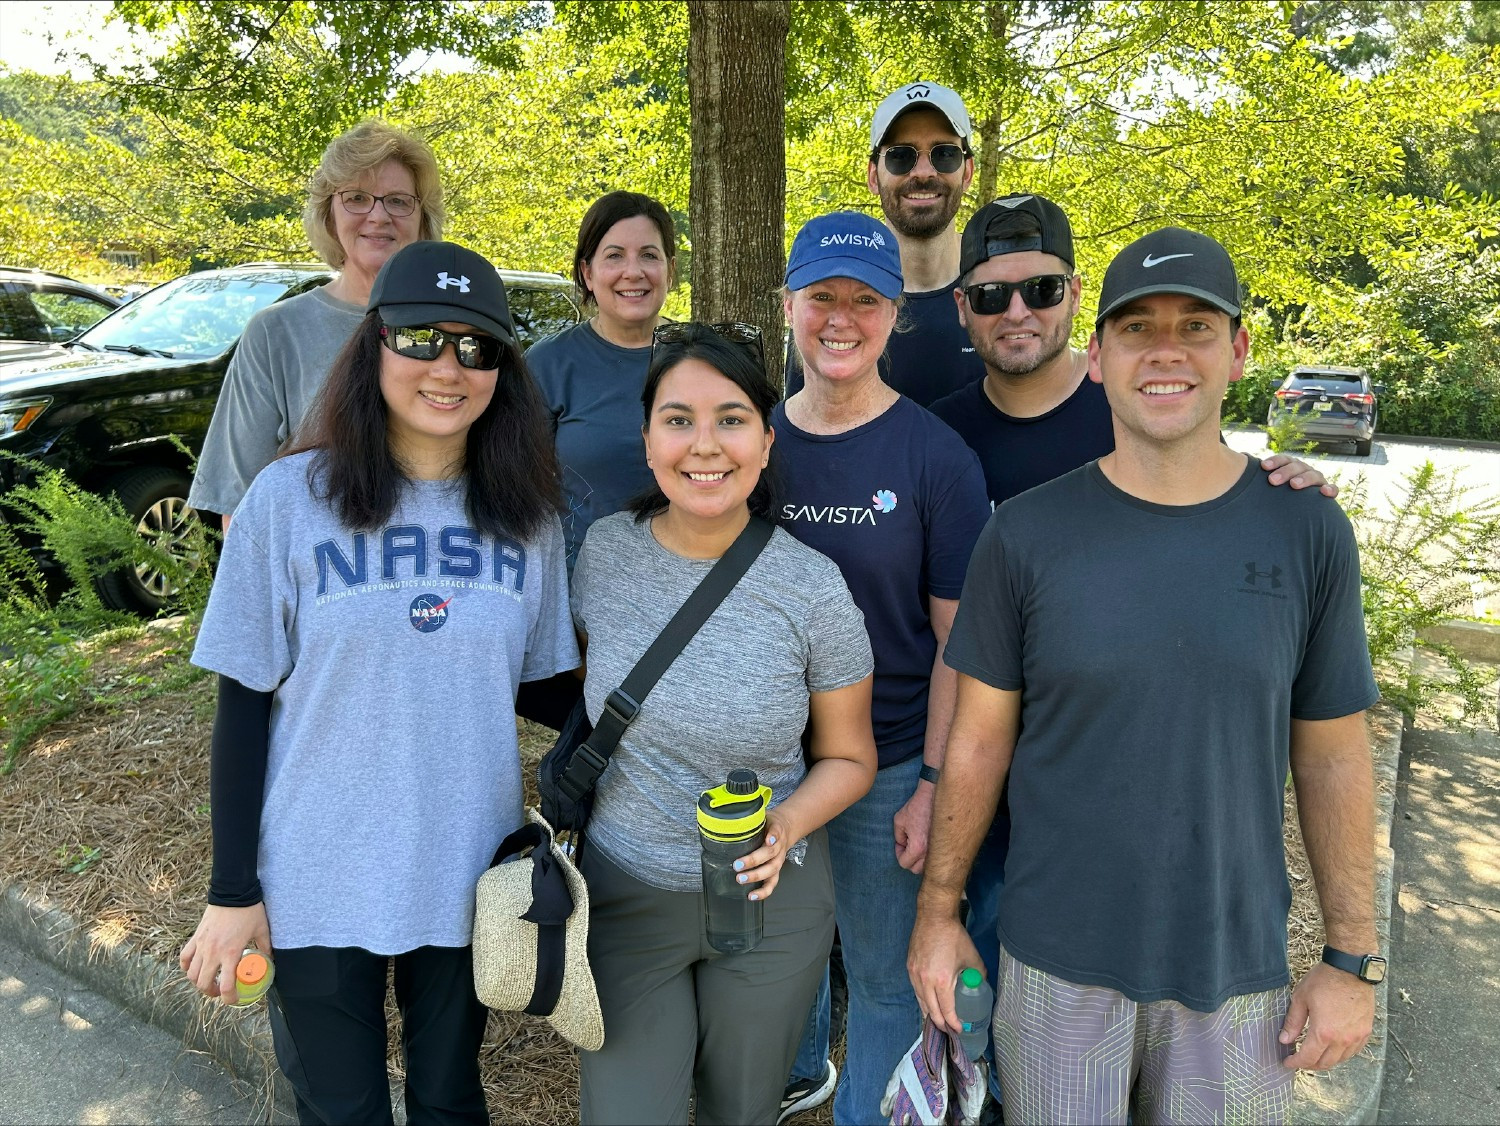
(745, 335)
(1040, 292)
(423, 342)
(901, 159)
(398, 205)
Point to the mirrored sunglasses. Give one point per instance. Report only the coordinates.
(748, 336)
(423, 342)
(1041, 292)
(397, 205)
(901, 159)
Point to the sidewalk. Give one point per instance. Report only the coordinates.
(1443, 1064)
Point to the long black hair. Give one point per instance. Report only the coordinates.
(510, 465)
(746, 371)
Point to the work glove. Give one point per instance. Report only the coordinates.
(935, 1084)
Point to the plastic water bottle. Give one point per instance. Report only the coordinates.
(252, 976)
(975, 1002)
(732, 824)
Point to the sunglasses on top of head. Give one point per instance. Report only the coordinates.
(1041, 292)
(901, 159)
(747, 336)
(424, 342)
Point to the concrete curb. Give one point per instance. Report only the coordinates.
(1475, 641)
(157, 993)
(1382, 436)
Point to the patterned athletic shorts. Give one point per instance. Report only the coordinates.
(1085, 1054)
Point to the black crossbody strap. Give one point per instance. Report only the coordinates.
(590, 759)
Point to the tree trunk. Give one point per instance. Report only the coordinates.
(997, 15)
(737, 197)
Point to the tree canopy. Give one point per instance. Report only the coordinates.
(1342, 150)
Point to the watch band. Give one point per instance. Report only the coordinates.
(929, 774)
(1367, 967)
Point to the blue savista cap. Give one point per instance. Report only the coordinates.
(845, 244)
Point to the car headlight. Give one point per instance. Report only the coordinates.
(18, 416)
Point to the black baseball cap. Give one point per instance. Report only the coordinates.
(1014, 223)
(1171, 260)
(426, 282)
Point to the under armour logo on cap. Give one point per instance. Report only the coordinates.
(444, 281)
(469, 290)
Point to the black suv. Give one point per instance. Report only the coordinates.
(38, 308)
(1329, 404)
(104, 407)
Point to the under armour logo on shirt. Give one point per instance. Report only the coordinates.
(444, 281)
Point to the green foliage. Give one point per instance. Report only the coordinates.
(1286, 435)
(1421, 565)
(45, 670)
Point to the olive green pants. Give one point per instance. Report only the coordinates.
(681, 1019)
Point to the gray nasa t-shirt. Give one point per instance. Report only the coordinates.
(735, 697)
(278, 368)
(393, 770)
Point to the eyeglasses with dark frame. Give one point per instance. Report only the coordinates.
(747, 336)
(398, 205)
(1041, 292)
(474, 350)
(946, 158)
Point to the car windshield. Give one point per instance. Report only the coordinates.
(194, 317)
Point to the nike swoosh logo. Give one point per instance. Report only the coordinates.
(1149, 261)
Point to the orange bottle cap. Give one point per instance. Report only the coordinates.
(251, 970)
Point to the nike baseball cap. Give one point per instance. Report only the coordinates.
(920, 95)
(845, 244)
(1014, 223)
(1171, 260)
(427, 282)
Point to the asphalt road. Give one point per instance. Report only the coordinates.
(71, 1056)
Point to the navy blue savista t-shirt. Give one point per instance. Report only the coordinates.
(898, 504)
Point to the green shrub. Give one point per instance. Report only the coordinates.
(1420, 566)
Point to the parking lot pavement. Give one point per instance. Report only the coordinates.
(72, 1056)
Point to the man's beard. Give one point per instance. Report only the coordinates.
(928, 223)
(1049, 346)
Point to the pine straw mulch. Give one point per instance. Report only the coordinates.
(121, 795)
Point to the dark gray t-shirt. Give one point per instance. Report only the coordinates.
(735, 697)
(593, 393)
(1161, 653)
(393, 770)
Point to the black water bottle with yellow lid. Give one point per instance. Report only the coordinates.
(732, 824)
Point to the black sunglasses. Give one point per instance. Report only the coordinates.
(1040, 292)
(747, 336)
(423, 342)
(901, 159)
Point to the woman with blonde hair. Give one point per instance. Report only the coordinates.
(375, 191)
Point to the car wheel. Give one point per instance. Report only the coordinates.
(156, 500)
(1362, 449)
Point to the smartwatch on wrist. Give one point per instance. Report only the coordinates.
(1367, 967)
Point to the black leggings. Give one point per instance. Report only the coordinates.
(328, 1026)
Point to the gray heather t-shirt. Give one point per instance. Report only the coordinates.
(393, 770)
(593, 393)
(1161, 653)
(735, 697)
(277, 369)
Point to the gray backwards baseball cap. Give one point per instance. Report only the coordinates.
(920, 95)
(1171, 260)
(427, 282)
(1014, 223)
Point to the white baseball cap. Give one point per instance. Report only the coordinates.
(920, 95)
